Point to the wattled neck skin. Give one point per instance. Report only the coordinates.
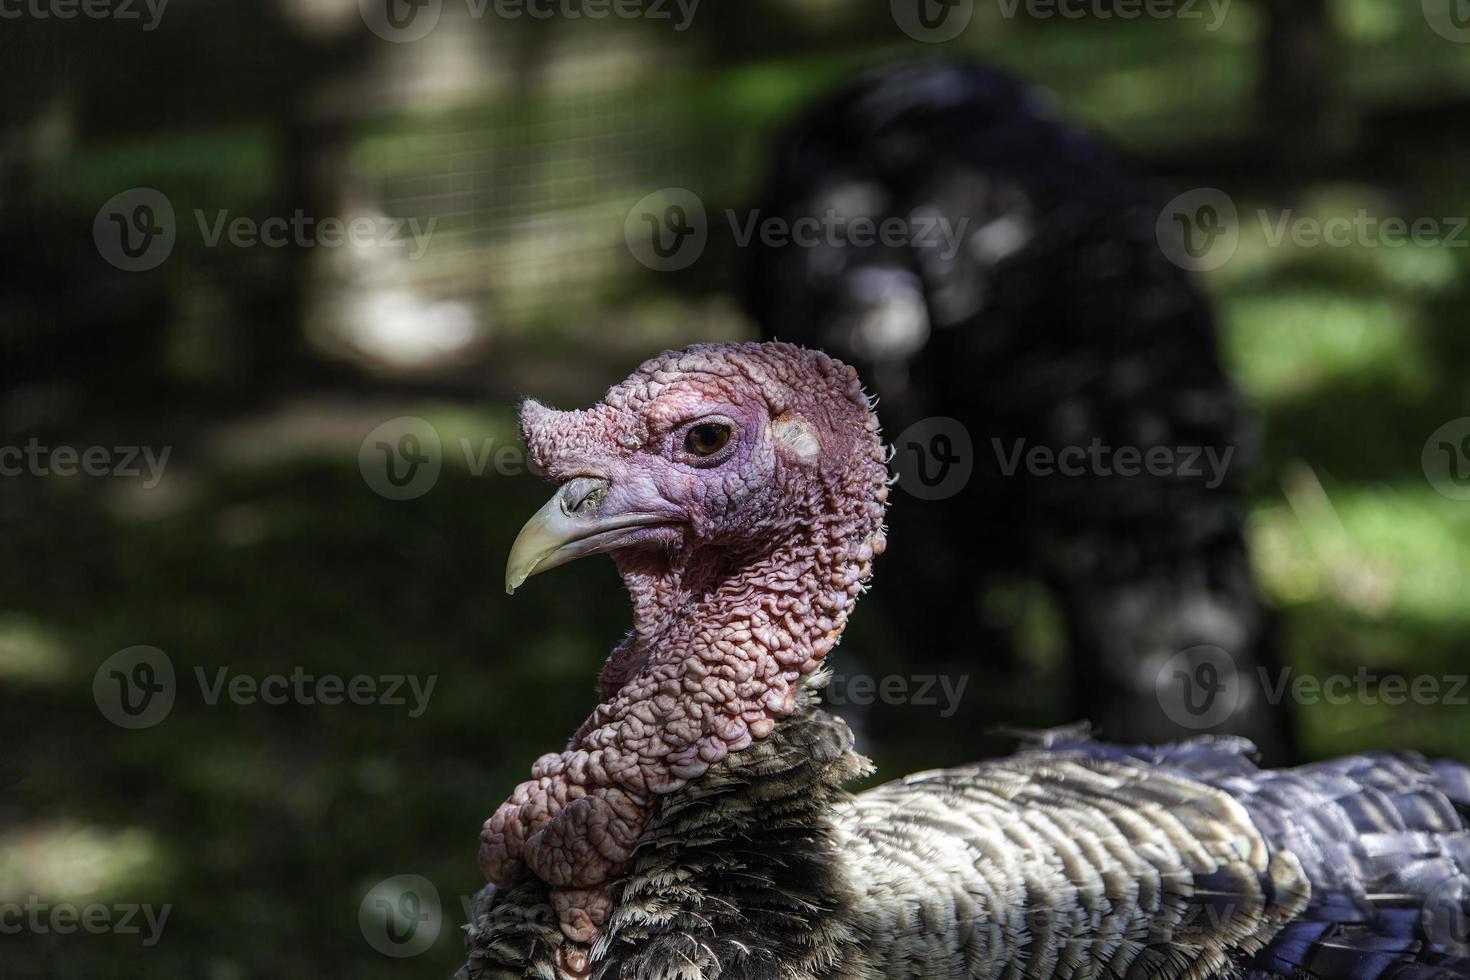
(716, 597)
(731, 609)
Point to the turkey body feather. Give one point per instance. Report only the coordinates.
(1069, 859)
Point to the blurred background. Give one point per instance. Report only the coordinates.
(195, 399)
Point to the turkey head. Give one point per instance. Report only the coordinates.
(740, 491)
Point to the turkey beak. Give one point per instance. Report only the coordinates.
(577, 521)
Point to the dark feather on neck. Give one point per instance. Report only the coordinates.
(737, 875)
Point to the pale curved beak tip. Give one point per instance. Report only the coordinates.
(543, 534)
(515, 578)
(573, 523)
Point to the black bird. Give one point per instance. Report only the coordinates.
(1028, 297)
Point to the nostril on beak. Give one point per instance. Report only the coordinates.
(582, 495)
(578, 520)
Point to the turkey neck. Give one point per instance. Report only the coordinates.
(790, 599)
(730, 870)
(727, 876)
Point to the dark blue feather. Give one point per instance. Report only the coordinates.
(1383, 839)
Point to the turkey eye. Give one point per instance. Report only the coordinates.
(707, 438)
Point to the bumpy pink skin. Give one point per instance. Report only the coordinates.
(744, 594)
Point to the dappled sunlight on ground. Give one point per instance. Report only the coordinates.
(70, 862)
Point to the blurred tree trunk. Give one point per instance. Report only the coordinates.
(1303, 117)
(313, 129)
(311, 172)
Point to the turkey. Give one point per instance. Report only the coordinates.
(1028, 298)
(696, 826)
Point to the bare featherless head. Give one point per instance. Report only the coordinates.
(740, 490)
